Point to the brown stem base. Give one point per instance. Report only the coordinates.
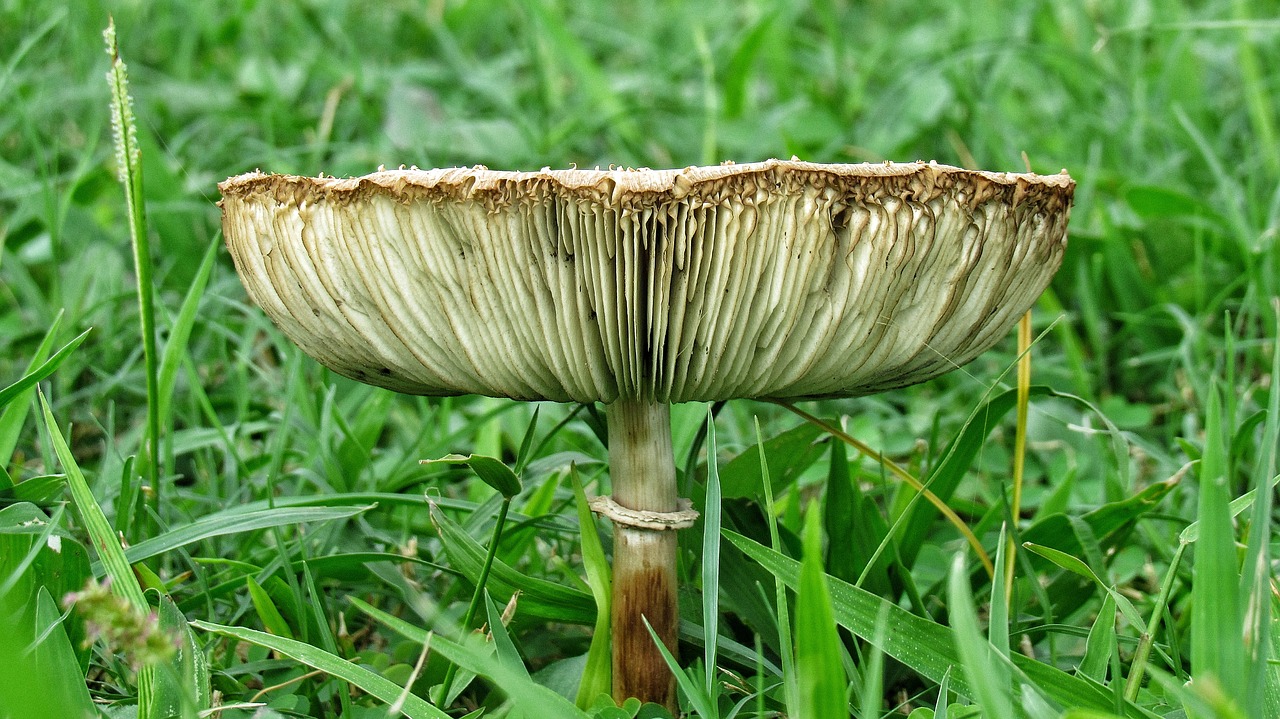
(644, 561)
(644, 587)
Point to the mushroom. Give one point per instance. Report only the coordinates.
(778, 280)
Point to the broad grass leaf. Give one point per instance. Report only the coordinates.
(42, 674)
(367, 681)
(530, 697)
(788, 455)
(272, 620)
(1101, 643)
(539, 597)
(235, 522)
(182, 684)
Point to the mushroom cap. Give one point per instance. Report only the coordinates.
(778, 279)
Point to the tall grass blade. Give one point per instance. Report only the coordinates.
(989, 685)
(786, 647)
(129, 170)
(509, 485)
(597, 676)
(175, 346)
(703, 705)
(12, 418)
(1217, 648)
(819, 669)
(1019, 452)
(1262, 679)
(711, 562)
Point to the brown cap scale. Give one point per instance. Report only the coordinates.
(640, 288)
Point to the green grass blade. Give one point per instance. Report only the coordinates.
(1101, 643)
(367, 681)
(182, 683)
(315, 605)
(872, 701)
(786, 647)
(983, 673)
(474, 656)
(175, 346)
(480, 593)
(13, 418)
(104, 540)
(42, 676)
(1076, 566)
(597, 676)
(272, 620)
(819, 669)
(224, 523)
(998, 621)
(711, 563)
(538, 596)
(703, 705)
(1217, 648)
(1262, 681)
(502, 643)
(46, 368)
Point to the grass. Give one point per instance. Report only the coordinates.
(283, 512)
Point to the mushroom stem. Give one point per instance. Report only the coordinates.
(644, 560)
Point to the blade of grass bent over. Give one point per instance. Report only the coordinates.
(19, 393)
(103, 538)
(367, 681)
